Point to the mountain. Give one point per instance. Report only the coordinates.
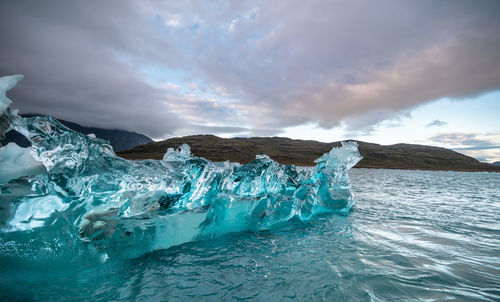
(497, 163)
(119, 139)
(304, 152)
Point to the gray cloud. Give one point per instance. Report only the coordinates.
(323, 64)
(484, 147)
(437, 123)
(479, 147)
(474, 141)
(216, 129)
(432, 74)
(283, 63)
(68, 54)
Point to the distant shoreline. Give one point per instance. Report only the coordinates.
(427, 170)
(303, 153)
(135, 146)
(135, 156)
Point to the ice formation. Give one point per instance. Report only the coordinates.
(16, 162)
(88, 196)
(6, 84)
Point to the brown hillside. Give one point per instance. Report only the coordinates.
(304, 152)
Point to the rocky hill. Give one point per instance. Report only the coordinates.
(304, 152)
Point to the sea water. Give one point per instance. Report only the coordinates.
(412, 235)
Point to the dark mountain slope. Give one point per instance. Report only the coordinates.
(304, 152)
(119, 139)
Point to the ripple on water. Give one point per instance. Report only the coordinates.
(413, 235)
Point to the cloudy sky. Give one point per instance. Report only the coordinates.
(424, 72)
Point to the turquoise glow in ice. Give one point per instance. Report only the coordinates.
(86, 194)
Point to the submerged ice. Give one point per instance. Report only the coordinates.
(71, 190)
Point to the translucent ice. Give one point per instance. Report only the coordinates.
(132, 207)
(16, 162)
(6, 84)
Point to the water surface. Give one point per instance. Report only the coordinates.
(412, 235)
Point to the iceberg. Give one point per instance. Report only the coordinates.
(77, 192)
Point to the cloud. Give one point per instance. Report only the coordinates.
(479, 147)
(484, 146)
(71, 62)
(317, 71)
(270, 64)
(408, 84)
(174, 21)
(217, 130)
(437, 123)
(467, 139)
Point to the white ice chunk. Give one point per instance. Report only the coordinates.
(180, 154)
(7, 83)
(17, 162)
(32, 213)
